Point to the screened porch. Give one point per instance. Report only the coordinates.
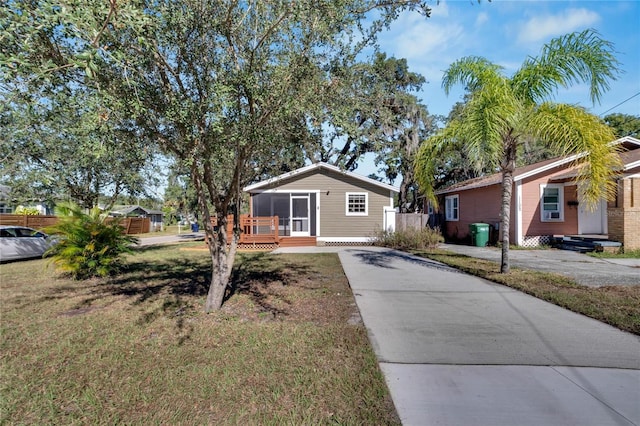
(295, 211)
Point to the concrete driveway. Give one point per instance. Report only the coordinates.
(584, 269)
(459, 350)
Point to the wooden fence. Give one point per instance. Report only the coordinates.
(31, 221)
(136, 225)
(132, 225)
(407, 221)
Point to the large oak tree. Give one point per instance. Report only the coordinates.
(224, 86)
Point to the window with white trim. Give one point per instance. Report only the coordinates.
(551, 202)
(430, 209)
(451, 208)
(357, 204)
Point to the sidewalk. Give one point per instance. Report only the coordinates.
(169, 239)
(459, 350)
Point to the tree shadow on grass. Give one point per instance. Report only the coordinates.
(176, 276)
(259, 276)
(175, 287)
(168, 287)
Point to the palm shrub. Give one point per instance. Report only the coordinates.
(88, 245)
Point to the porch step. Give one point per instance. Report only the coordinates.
(584, 244)
(297, 241)
(576, 247)
(608, 246)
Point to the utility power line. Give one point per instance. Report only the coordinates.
(616, 106)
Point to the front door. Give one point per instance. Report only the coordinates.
(592, 221)
(300, 215)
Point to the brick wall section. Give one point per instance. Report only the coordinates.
(623, 215)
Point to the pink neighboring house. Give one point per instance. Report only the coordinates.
(545, 203)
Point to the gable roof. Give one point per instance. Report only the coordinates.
(125, 210)
(630, 143)
(318, 166)
(630, 160)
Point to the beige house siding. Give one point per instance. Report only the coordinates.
(332, 187)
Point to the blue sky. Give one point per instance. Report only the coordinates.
(506, 32)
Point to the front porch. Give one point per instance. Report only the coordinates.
(265, 232)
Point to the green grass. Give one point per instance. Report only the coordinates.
(138, 349)
(615, 305)
(628, 254)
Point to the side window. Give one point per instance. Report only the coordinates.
(430, 209)
(357, 204)
(10, 232)
(24, 232)
(28, 232)
(451, 208)
(551, 202)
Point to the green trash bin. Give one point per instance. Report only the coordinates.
(479, 234)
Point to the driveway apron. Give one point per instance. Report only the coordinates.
(459, 350)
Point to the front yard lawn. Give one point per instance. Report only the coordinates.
(137, 348)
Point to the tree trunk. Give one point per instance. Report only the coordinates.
(403, 196)
(222, 263)
(507, 189)
(219, 281)
(507, 185)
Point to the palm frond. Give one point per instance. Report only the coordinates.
(474, 72)
(489, 115)
(424, 163)
(580, 57)
(568, 130)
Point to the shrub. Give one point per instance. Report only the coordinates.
(424, 238)
(87, 244)
(29, 211)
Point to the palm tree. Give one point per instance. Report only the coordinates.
(503, 111)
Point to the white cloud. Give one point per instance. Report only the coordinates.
(482, 18)
(427, 40)
(431, 45)
(543, 27)
(440, 10)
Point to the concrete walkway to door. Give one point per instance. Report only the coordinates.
(459, 350)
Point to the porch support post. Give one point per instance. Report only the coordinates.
(518, 224)
(317, 213)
